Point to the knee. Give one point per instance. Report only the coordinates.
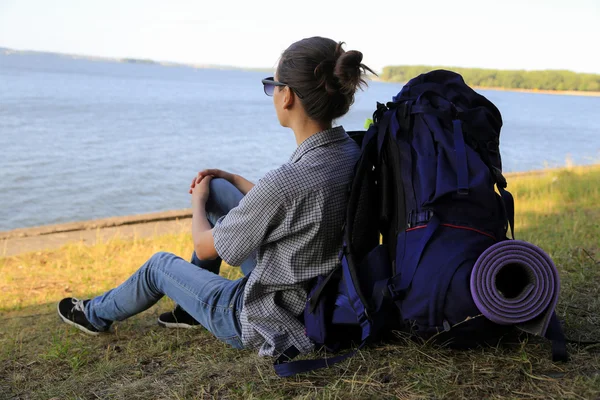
(218, 185)
(160, 258)
(215, 183)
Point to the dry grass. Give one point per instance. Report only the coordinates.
(42, 358)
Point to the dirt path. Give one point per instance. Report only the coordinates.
(47, 237)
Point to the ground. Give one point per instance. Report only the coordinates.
(41, 358)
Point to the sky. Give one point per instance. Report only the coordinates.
(507, 34)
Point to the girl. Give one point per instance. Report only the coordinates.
(283, 231)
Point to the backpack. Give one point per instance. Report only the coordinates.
(422, 208)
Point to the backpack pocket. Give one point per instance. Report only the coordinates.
(314, 315)
(329, 319)
(436, 293)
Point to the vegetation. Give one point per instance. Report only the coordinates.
(509, 79)
(41, 358)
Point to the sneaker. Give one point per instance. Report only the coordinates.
(71, 311)
(178, 318)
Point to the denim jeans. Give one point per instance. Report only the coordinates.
(212, 300)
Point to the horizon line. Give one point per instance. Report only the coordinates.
(168, 63)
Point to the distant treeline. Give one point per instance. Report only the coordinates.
(137, 61)
(509, 79)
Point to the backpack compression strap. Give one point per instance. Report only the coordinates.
(509, 208)
(555, 334)
(559, 343)
(284, 366)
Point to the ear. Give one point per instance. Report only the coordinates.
(288, 98)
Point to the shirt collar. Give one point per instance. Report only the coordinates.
(318, 139)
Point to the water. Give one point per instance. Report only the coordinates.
(86, 139)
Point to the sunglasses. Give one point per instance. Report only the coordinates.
(270, 83)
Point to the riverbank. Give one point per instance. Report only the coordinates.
(43, 358)
(89, 233)
(23, 240)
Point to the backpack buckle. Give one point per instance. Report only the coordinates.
(446, 325)
(418, 218)
(394, 294)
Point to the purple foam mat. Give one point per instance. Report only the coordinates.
(526, 294)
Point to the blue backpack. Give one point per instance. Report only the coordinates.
(422, 208)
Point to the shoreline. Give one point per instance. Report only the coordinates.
(128, 60)
(93, 224)
(501, 89)
(23, 240)
(133, 227)
(540, 91)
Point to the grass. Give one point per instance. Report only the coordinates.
(41, 358)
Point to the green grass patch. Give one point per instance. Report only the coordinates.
(41, 358)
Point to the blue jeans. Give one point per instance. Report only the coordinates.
(214, 301)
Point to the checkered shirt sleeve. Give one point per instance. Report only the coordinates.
(252, 223)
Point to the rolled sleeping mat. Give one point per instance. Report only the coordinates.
(516, 283)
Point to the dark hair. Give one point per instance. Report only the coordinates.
(324, 74)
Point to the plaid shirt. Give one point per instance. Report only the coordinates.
(293, 216)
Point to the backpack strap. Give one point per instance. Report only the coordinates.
(555, 334)
(406, 158)
(284, 366)
(559, 343)
(462, 169)
(350, 278)
(316, 295)
(445, 113)
(509, 208)
(382, 132)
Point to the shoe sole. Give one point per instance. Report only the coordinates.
(80, 327)
(176, 325)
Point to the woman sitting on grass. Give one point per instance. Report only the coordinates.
(283, 231)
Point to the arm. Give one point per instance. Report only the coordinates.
(242, 184)
(257, 220)
(204, 244)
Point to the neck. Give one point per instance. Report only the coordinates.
(306, 128)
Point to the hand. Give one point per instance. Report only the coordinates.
(215, 173)
(200, 191)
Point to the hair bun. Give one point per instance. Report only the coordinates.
(348, 69)
(325, 74)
